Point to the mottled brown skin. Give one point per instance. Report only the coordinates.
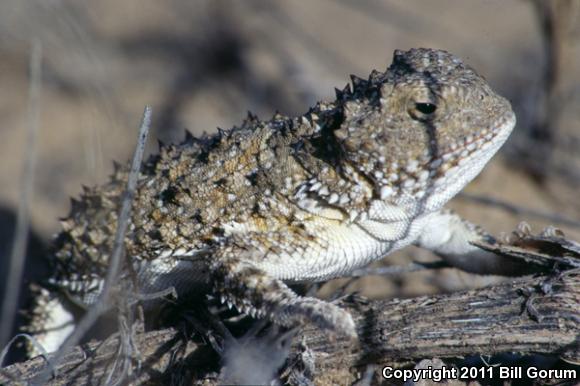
(298, 199)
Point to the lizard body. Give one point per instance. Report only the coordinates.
(247, 211)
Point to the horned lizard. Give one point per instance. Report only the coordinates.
(245, 212)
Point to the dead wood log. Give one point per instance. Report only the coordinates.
(531, 315)
(534, 314)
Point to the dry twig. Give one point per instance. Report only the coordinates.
(18, 254)
(103, 302)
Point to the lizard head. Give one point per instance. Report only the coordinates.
(424, 128)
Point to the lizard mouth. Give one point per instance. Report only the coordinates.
(478, 147)
(457, 166)
(452, 168)
(458, 154)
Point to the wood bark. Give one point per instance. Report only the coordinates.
(529, 315)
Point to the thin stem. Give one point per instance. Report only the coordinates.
(102, 304)
(18, 253)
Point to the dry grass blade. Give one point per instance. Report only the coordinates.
(18, 253)
(102, 303)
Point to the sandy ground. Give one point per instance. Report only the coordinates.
(204, 64)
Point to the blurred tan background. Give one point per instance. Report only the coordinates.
(204, 64)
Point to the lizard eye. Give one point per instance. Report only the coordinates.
(426, 108)
(422, 111)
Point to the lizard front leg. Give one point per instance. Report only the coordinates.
(238, 280)
(450, 236)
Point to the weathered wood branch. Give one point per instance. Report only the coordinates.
(532, 315)
(529, 315)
